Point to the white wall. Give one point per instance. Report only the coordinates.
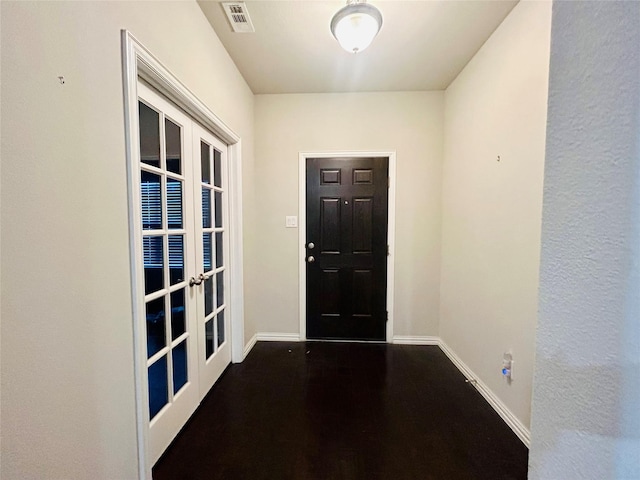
(409, 123)
(586, 400)
(492, 210)
(67, 363)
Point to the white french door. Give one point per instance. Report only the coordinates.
(210, 171)
(183, 249)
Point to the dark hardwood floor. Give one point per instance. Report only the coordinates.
(344, 411)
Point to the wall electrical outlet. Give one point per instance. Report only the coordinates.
(507, 366)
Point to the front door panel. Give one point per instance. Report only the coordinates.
(347, 201)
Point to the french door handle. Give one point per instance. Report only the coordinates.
(201, 278)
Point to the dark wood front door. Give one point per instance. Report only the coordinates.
(346, 248)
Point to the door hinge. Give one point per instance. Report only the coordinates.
(388, 182)
(387, 250)
(387, 317)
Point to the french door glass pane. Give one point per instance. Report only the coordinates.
(218, 197)
(153, 254)
(179, 366)
(208, 341)
(220, 288)
(149, 135)
(208, 296)
(206, 208)
(217, 168)
(158, 386)
(156, 317)
(205, 161)
(176, 259)
(221, 328)
(207, 247)
(174, 203)
(177, 314)
(151, 193)
(219, 258)
(174, 147)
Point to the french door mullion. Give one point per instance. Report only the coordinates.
(158, 355)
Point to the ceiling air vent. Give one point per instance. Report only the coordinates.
(238, 16)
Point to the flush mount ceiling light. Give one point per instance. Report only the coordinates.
(356, 25)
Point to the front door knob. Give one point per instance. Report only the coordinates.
(311, 259)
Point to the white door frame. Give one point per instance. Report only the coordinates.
(302, 229)
(139, 63)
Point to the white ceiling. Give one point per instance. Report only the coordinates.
(423, 45)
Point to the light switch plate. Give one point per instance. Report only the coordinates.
(291, 221)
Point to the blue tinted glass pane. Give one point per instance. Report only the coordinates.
(152, 252)
(220, 289)
(206, 208)
(151, 193)
(205, 161)
(179, 366)
(219, 258)
(208, 296)
(174, 149)
(158, 386)
(149, 135)
(174, 203)
(176, 259)
(217, 168)
(177, 314)
(155, 326)
(221, 328)
(218, 209)
(207, 239)
(208, 327)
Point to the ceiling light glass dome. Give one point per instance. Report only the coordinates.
(356, 25)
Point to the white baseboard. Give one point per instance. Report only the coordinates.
(416, 340)
(277, 337)
(250, 344)
(509, 418)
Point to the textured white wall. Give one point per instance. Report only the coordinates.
(586, 400)
(407, 122)
(492, 210)
(67, 364)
